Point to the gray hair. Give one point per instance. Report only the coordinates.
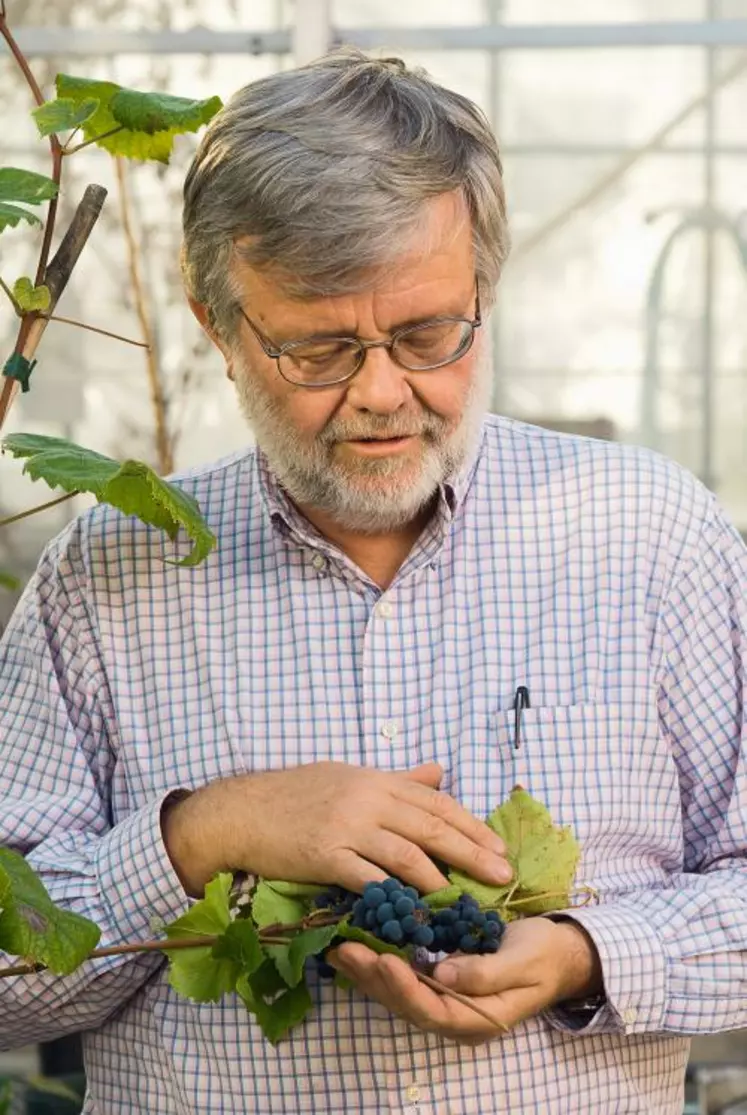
(323, 173)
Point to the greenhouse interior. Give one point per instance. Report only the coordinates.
(620, 316)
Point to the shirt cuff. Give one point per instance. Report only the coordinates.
(634, 971)
(136, 877)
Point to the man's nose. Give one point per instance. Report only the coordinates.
(380, 386)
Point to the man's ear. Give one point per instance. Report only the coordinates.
(201, 312)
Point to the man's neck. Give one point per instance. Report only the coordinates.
(379, 556)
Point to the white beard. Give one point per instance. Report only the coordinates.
(367, 495)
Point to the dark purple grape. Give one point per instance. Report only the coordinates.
(384, 913)
(403, 906)
(391, 885)
(410, 892)
(373, 895)
(409, 923)
(392, 931)
(468, 943)
(423, 936)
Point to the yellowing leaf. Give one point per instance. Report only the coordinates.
(30, 297)
(544, 856)
(145, 123)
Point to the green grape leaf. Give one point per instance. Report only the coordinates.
(30, 297)
(130, 486)
(50, 1086)
(267, 981)
(163, 117)
(11, 215)
(33, 927)
(9, 581)
(240, 943)
(490, 898)
(26, 186)
(440, 899)
(63, 114)
(197, 973)
(277, 1017)
(352, 933)
(544, 856)
(290, 959)
(295, 890)
(162, 112)
(270, 907)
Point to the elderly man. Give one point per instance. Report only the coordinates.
(335, 684)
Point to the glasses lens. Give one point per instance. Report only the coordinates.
(312, 362)
(432, 346)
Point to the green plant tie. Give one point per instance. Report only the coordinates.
(18, 367)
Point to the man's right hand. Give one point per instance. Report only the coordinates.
(330, 822)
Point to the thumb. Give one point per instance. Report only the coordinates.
(428, 773)
(471, 975)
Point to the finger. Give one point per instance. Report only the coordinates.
(473, 975)
(440, 838)
(405, 860)
(446, 807)
(353, 871)
(430, 774)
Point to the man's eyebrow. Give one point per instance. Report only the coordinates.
(333, 333)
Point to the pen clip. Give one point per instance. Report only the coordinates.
(521, 701)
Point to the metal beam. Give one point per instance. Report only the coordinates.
(312, 30)
(40, 41)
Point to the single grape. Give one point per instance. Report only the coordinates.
(392, 931)
(423, 936)
(459, 928)
(373, 895)
(391, 885)
(371, 920)
(410, 892)
(490, 944)
(409, 923)
(403, 906)
(492, 915)
(468, 943)
(384, 913)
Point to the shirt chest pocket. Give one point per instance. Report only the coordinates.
(602, 769)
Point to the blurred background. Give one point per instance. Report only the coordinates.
(623, 310)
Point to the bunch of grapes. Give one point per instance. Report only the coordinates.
(394, 913)
(464, 927)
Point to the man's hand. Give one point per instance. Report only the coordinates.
(540, 963)
(330, 823)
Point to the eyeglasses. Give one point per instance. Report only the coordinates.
(324, 361)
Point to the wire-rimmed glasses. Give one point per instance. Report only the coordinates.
(325, 361)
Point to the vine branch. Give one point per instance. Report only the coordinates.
(66, 150)
(35, 510)
(93, 329)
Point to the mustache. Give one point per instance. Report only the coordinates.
(339, 429)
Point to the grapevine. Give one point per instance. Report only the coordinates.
(266, 940)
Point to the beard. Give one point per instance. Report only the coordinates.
(367, 495)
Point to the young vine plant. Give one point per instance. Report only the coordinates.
(265, 940)
(126, 123)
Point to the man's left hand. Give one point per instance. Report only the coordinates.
(540, 963)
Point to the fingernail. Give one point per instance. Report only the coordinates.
(504, 873)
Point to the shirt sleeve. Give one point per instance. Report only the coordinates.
(57, 760)
(674, 959)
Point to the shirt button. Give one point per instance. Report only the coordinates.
(412, 1093)
(390, 729)
(319, 562)
(384, 609)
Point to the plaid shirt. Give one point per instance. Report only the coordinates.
(602, 577)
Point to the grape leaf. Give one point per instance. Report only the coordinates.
(267, 981)
(295, 890)
(162, 112)
(269, 906)
(30, 297)
(10, 215)
(196, 972)
(63, 114)
(440, 899)
(33, 927)
(277, 1017)
(130, 486)
(163, 117)
(240, 943)
(544, 856)
(9, 581)
(26, 186)
(290, 959)
(353, 933)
